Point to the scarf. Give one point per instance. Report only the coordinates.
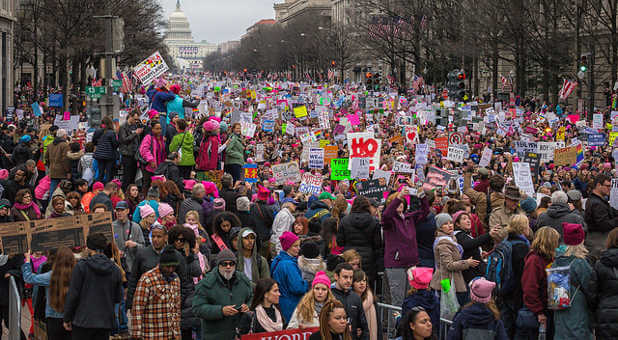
(318, 307)
(267, 323)
(450, 239)
(35, 207)
(370, 313)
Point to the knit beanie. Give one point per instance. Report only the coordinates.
(97, 186)
(145, 211)
(528, 205)
(243, 203)
(321, 277)
(572, 233)
(309, 250)
(442, 218)
(96, 241)
(164, 209)
(225, 255)
(287, 239)
(480, 290)
(169, 257)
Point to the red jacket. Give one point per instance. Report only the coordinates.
(208, 155)
(534, 282)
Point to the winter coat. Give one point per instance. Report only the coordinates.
(400, 247)
(282, 223)
(159, 100)
(559, 213)
(235, 150)
(361, 231)
(449, 263)
(9, 264)
(500, 216)
(576, 321)
(17, 216)
(189, 204)
(353, 306)
(286, 272)
(315, 207)
(129, 140)
(41, 280)
(534, 282)
(259, 265)
(425, 235)
(106, 143)
(57, 160)
(310, 266)
(295, 322)
(208, 156)
(22, 153)
(175, 105)
(171, 173)
(152, 149)
(518, 255)
(246, 219)
(96, 273)
(605, 281)
(145, 259)
(472, 249)
(211, 295)
(424, 298)
(263, 215)
(128, 231)
(152, 203)
(600, 218)
(186, 149)
(478, 318)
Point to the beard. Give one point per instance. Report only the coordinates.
(226, 274)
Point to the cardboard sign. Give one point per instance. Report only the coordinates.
(339, 169)
(150, 69)
(316, 158)
(485, 157)
(442, 145)
(289, 334)
(437, 177)
(420, 154)
(286, 172)
(372, 189)
(330, 152)
(565, 156)
(401, 167)
(364, 145)
(51, 233)
(310, 184)
(251, 173)
(455, 154)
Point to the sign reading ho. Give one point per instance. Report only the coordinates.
(151, 68)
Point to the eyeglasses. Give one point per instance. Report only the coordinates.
(227, 264)
(27, 196)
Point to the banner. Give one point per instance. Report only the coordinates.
(150, 69)
(339, 169)
(289, 334)
(310, 184)
(364, 145)
(251, 175)
(523, 177)
(596, 139)
(316, 158)
(372, 189)
(286, 172)
(52, 233)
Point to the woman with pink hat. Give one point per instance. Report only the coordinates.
(420, 295)
(152, 151)
(208, 155)
(307, 312)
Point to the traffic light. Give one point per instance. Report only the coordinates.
(368, 79)
(456, 84)
(583, 63)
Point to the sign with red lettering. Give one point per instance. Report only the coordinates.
(288, 334)
(442, 145)
(364, 145)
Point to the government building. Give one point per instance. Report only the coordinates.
(188, 55)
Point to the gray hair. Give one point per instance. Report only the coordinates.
(197, 188)
(559, 197)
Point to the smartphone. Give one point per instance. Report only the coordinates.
(238, 307)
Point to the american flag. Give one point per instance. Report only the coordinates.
(307, 76)
(504, 81)
(567, 88)
(417, 82)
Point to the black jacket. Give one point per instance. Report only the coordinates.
(170, 132)
(263, 215)
(605, 281)
(471, 249)
(559, 213)
(22, 153)
(230, 197)
(129, 140)
(425, 235)
(102, 198)
(354, 309)
(599, 215)
(9, 265)
(518, 255)
(361, 231)
(246, 220)
(106, 143)
(476, 316)
(85, 308)
(171, 173)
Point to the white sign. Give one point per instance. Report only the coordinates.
(546, 150)
(150, 69)
(523, 177)
(613, 195)
(485, 158)
(68, 125)
(402, 167)
(597, 121)
(247, 129)
(363, 144)
(421, 153)
(455, 154)
(377, 174)
(290, 129)
(310, 184)
(360, 168)
(316, 158)
(286, 172)
(259, 153)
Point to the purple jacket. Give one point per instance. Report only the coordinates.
(400, 247)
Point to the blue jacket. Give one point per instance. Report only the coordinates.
(175, 105)
(478, 317)
(153, 204)
(286, 272)
(159, 100)
(40, 280)
(315, 207)
(426, 299)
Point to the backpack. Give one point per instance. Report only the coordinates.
(320, 214)
(500, 266)
(560, 294)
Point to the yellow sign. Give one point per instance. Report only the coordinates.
(300, 111)
(560, 134)
(323, 143)
(612, 137)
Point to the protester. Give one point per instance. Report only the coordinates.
(559, 213)
(605, 281)
(284, 220)
(600, 217)
(222, 225)
(25, 209)
(264, 315)
(420, 295)
(333, 323)
(182, 143)
(416, 324)
(471, 246)
(129, 136)
(306, 314)
(106, 143)
(56, 157)
(152, 151)
(502, 214)
(286, 272)
(310, 261)
(194, 202)
(342, 290)
(252, 264)
(234, 153)
(361, 288)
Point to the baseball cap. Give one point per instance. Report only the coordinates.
(122, 205)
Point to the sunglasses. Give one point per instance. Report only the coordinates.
(182, 240)
(227, 264)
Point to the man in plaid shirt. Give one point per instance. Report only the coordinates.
(156, 305)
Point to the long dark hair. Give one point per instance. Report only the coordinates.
(361, 204)
(405, 331)
(62, 268)
(262, 287)
(328, 308)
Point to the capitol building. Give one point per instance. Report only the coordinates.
(188, 55)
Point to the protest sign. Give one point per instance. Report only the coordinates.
(523, 147)
(69, 125)
(268, 125)
(56, 100)
(560, 134)
(251, 175)
(48, 234)
(359, 168)
(323, 120)
(150, 69)
(300, 111)
(442, 145)
(289, 334)
(596, 139)
(455, 138)
(310, 184)
(364, 145)
(437, 177)
(259, 153)
(339, 169)
(421, 153)
(382, 174)
(372, 189)
(411, 134)
(455, 154)
(523, 177)
(597, 121)
(565, 156)
(532, 158)
(485, 157)
(613, 194)
(290, 129)
(316, 158)
(286, 172)
(330, 152)
(247, 129)
(401, 167)
(546, 150)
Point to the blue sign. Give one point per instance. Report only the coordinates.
(36, 109)
(596, 139)
(268, 125)
(56, 100)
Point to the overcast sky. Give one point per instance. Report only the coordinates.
(221, 20)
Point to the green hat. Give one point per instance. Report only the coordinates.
(326, 196)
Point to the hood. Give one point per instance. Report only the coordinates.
(558, 210)
(100, 264)
(424, 298)
(317, 204)
(360, 220)
(58, 140)
(239, 244)
(311, 265)
(477, 315)
(609, 257)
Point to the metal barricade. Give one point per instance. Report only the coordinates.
(14, 310)
(444, 326)
(389, 315)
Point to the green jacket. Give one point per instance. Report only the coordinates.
(234, 151)
(47, 140)
(211, 294)
(187, 158)
(259, 265)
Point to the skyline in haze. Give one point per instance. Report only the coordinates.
(221, 21)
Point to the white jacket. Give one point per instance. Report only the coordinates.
(283, 222)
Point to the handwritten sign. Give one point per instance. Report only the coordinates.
(339, 169)
(597, 121)
(286, 172)
(420, 155)
(359, 168)
(310, 184)
(150, 69)
(372, 189)
(316, 158)
(330, 152)
(523, 177)
(300, 111)
(485, 158)
(565, 156)
(455, 154)
(402, 167)
(613, 194)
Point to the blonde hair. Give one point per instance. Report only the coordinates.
(306, 306)
(518, 224)
(578, 251)
(546, 241)
(350, 255)
(196, 216)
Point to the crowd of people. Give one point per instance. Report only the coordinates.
(204, 249)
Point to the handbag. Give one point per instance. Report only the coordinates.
(526, 319)
(448, 301)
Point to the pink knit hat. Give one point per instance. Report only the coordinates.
(97, 186)
(211, 188)
(152, 113)
(189, 183)
(211, 125)
(146, 210)
(164, 210)
(480, 290)
(158, 178)
(287, 239)
(321, 277)
(4, 174)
